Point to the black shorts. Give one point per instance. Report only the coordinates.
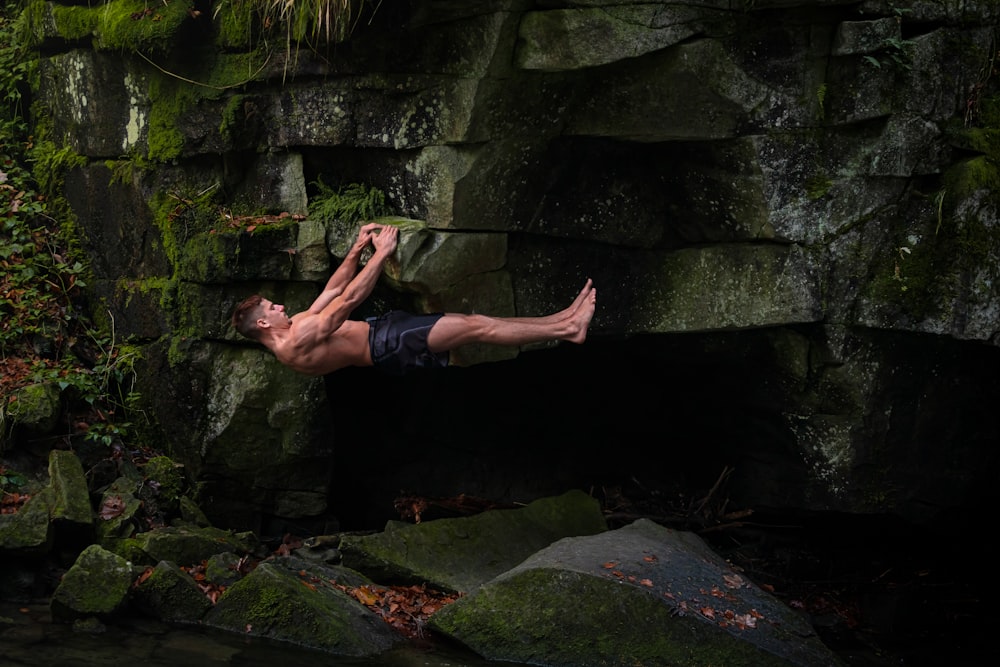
(398, 342)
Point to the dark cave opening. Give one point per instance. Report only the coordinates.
(655, 426)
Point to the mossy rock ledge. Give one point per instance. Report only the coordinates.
(640, 595)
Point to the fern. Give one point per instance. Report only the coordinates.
(349, 203)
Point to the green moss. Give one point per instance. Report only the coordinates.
(127, 548)
(979, 173)
(167, 475)
(36, 405)
(97, 583)
(272, 601)
(172, 595)
(51, 164)
(818, 185)
(70, 23)
(169, 98)
(120, 24)
(125, 24)
(231, 115)
(927, 262)
(236, 24)
(122, 171)
(181, 218)
(608, 627)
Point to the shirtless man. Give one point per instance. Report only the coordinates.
(322, 339)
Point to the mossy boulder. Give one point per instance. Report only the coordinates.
(167, 477)
(35, 407)
(96, 585)
(223, 569)
(170, 594)
(117, 512)
(296, 601)
(186, 545)
(640, 595)
(29, 531)
(459, 554)
(69, 486)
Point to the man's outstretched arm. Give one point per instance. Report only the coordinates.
(346, 271)
(357, 290)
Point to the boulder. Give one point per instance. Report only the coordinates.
(96, 585)
(59, 511)
(170, 594)
(457, 555)
(69, 486)
(642, 594)
(117, 512)
(296, 601)
(29, 531)
(186, 545)
(35, 407)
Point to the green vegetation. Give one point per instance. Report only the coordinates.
(115, 24)
(935, 256)
(821, 100)
(818, 185)
(9, 479)
(895, 50)
(45, 335)
(350, 203)
(312, 21)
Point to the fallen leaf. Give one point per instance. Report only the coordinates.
(144, 576)
(112, 507)
(365, 596)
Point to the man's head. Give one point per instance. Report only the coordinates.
(246, 315)
(256, 314)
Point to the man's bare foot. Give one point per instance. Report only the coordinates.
(565, 313)
(583, 315)
(568, 312)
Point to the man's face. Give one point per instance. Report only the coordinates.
(273, 314)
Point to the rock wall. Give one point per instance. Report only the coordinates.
(790, 205)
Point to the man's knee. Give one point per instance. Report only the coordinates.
(462, 329)
(480, 326)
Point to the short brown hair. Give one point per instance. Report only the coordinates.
(245, 316)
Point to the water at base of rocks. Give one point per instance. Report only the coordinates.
(29, 638)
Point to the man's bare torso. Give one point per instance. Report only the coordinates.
(306, 351)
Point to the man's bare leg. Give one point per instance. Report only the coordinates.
(454, 330)
(562, 314)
